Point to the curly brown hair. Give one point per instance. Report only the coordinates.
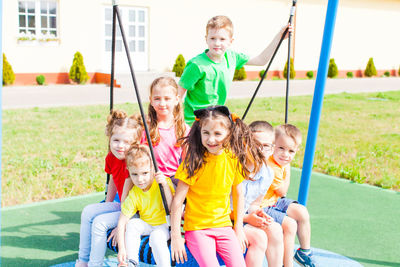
(119, 120)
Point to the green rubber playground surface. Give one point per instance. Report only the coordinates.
(356, 221)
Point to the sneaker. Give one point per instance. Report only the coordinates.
(304, 259)
(132, 263)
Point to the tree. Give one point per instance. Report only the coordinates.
(179, 65)
(370, 70)
(77, 72)
(292, 71)
(8, 73)
(332, 69)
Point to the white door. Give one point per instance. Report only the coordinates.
(135, 23)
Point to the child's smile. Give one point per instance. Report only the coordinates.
(213, 135)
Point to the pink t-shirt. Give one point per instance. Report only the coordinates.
(166, 152)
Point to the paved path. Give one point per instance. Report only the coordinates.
(70, 95)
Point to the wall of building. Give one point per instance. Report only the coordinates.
(363, 29)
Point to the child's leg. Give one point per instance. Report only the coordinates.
(134, 229)
(302, 217)
(228, 247)
(100, 226)
(274, 251)
(159, 245)
(289, 227)
(89, 213)
(257, 245)
(201, 244)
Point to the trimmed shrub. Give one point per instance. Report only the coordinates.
(349, 74)
(8, 73)
(386, 74)
(261, 73)
(179, 65)
(310, 74)
(40, 79)
(240, 74)
(333, 69)
(77, 72)
(370, 70)
(399, 71)
(292, 71)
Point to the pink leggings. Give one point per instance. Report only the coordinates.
(204, 243)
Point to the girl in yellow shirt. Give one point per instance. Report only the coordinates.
(214, 167)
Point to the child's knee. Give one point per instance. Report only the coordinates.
(289, 226)
(275, 233)
(257, 239)
(99, 226)
(156, 238)
(88, 213)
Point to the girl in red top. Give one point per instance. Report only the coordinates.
(97, 218)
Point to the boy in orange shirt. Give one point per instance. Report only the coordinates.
(293, 217)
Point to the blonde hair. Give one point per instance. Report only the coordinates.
(290, 131)
(261, 126)
(220, 22)
(118, 120)
(179, 121)
(137, 152)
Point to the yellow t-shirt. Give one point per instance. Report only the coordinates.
(280, 174)
(148, 204)
(208, 197)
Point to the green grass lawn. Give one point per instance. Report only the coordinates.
(52, 153)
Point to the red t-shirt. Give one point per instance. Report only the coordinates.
(117, 168)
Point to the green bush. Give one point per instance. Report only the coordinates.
(310, 74)
(370, 70)
(349, 74)
(40, 79)
(333, 69)
(292, 71)
(179, 65)
(399, 71)
(387, 73)
(240, 74)
(8, 73)
(77, 72)
(261, 73)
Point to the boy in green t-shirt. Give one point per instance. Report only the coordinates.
(207, 77)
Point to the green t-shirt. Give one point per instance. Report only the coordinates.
(207, 82)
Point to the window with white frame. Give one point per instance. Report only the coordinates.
(37, 20)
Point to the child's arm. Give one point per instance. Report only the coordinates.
(238, 213)
(263, 58)
(127, 187)
(160, 178)
(178, 251)
(181, 92)
(282, 191)
(123, 220)
(111, 190)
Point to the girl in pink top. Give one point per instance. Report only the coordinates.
(167, 125)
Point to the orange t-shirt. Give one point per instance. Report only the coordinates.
(280, 174)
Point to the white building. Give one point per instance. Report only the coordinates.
(41, 36)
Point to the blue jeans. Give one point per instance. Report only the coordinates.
(96, 219)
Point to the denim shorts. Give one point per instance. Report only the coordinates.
(278, 211)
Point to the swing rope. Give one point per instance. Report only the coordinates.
(292, 11)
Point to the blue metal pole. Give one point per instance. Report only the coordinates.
(317, 100)
(1, 91)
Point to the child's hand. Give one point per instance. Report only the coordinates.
(160, 178)
(178, 251)
(244, 243)
(267, 219)
(257, 219)
(122, 257)
(113, 236)
(290, 29)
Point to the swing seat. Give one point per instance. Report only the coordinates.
(146, 256)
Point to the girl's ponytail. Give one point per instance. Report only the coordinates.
(193, 150)
(245, 147)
